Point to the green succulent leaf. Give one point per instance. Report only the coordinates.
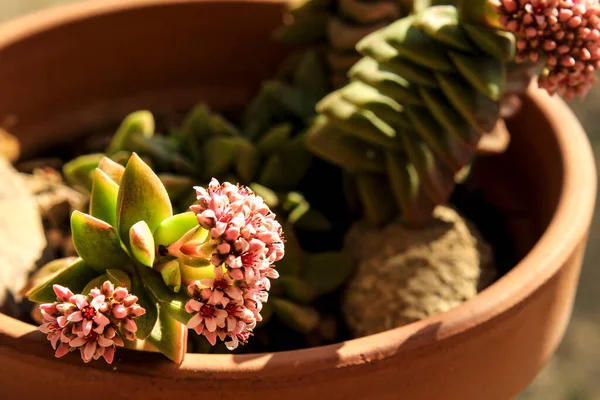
(172, 229)
(496, 43)
(169, 337)
(119, 278)
(112, 169)
(103, 200)
(79, 172)
(297, 290)
(220, 155)
(142, 243)
(307, 218)
(142, 197)
(326, 272)
(171, 274)
(486, 74)
(46, 272)
(95, 283)
(300, 318)
(135, 125)
(97, 243)
(275, 138)
(269, 196)
(248, 160)
(442, 23)
(73, 276)
(287, 167)
(146, 322)
(376, 198)
(334, 145)
(170, 302)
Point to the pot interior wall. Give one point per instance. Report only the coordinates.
(86, 73)
(88, 70)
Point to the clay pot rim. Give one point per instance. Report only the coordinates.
(566, 229)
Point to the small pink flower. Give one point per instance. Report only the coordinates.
(244, 234)
(218, 309)
(566, 33)
(91, 323)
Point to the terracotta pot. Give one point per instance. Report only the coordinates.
(71, 69)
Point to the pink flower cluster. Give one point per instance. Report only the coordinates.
(245, 240)
(93, 324)
(565, 32)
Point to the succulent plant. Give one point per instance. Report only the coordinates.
(406, 126)
(337, 26)
(135, 257)
(268, 154)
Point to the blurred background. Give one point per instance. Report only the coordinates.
(574, 372)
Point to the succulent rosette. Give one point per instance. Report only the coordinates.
(135, 256)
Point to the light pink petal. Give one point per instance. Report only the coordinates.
(109, 354)
(119, 311)
(98, 301)
(118, 341)
(195, 321)
(87, 327)
(80, 301)
(101, 319)
(120, 294)
(61, 321)
(62, 350)
(75, 317)
(211, 324)
(211, 336)
(78, 341)
(104, 342)
(62, 293)
(88, 351)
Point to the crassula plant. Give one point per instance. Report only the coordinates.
(144, 274)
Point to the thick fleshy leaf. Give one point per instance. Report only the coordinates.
(142, 243)
(376, 47)
(297, 290)
(389, 84)
(97, 243)
(274, 139)
(437, 179)
(79, 172)
(103, 201)
(247, 162)
(410, 71)
(172, 229)
(220, 155)
(326, 272)
(146, 322)
(442, 23)
(170, 302)
(480, 111)
(447, 116)
(496, 43)
(74, 276)
(361, 123)
(46, 272)
(119, 278)
(112, 169)
(311, 74)
(95, 283)
(332, 144)
(300, 318)
(286, 168)
(376, 197)
(452, 152)
(142, 197)
(406, 185)
(486, 74)
(415, 45)
(139, 123)
(171, 274)
(169, 337)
